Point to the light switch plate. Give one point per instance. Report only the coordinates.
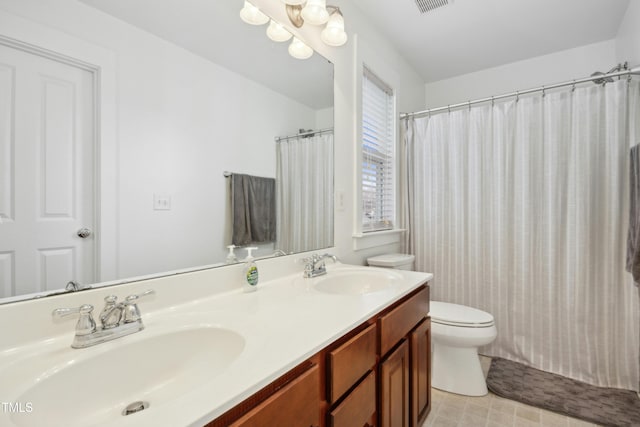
(161, 202)
(339, 200)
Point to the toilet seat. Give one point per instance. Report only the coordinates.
(459, 315)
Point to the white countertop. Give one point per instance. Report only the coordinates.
(284, 323)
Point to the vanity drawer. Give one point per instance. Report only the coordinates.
(349, 362)
(358, 408)
(297, 403)
(397, 323)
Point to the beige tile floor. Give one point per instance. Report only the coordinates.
(453, 410)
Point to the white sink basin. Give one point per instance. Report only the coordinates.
(357, 281)
(94, 388)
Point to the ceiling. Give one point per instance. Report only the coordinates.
(471, 35)
(459, 38)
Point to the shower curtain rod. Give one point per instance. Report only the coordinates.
(311, 132)
(629, 73)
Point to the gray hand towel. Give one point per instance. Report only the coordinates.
(253, 209)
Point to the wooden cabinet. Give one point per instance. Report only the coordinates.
(405, 382)
(359, 408)
(351, 380)
(420, 344)
(296, 404)
(396, 324)
(394, 388)
(378, 375)
(350, 362)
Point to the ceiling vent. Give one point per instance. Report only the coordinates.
(427, 5)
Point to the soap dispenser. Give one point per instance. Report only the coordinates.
(250, 272)
(231, 256)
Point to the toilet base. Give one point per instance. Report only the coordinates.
(457, 370)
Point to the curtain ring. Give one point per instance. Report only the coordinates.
(449, 108)
(469, 104)
(492, 101)
(544, 93)
(517, 95)
(573, 87)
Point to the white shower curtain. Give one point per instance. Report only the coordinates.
(304, 193)
(521, 209)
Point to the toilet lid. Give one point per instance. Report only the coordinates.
(391, 260)
(459, 315)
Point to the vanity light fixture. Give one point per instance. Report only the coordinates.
(314, 12)
(334, 34)
(277, 32)
(317, 12)
(252, 15)
(298, 49)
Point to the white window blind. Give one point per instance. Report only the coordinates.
(378, 188)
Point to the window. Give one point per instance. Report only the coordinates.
(378, 137)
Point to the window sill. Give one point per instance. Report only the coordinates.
(377, 238)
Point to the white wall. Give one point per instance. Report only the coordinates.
(324, 118)
(557, 67)
(543, 70)
(534, 72)
(181, 122)
(628, 40)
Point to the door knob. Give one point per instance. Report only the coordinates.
(84, 233)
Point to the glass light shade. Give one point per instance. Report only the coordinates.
(277, 32)
(315, 12)
(293, 2)
(299, 50)
(252, 15)
(334, 34)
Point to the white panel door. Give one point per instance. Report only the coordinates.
(46, 173)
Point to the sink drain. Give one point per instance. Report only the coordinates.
(134, 407)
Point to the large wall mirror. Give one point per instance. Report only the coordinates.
(201, 97)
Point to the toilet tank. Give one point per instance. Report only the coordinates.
(395, 261)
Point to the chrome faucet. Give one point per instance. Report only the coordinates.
(111, 314)
(116, 320)
(314, 265)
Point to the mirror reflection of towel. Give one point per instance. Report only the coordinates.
(633, 238)
(253, 209)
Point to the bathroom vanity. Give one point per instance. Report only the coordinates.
(350, 348)
(376, 375)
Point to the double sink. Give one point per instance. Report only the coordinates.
(178, 353)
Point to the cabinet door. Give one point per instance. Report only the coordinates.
(420, 372)
(295, 405)
(394, 388)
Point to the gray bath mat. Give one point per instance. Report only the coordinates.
(604, 406)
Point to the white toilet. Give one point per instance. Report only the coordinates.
(456, 333)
